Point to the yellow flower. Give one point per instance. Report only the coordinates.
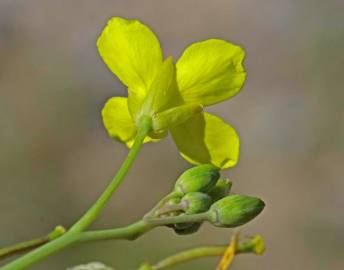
(172, 95)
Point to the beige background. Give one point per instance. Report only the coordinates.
(55, 157)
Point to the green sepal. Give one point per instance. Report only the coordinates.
(175, 116)
(199, 178)
(220, 190)
(196, 202)
(163, 93)
(235, 210)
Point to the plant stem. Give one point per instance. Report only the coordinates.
(72, 235)
(31, 244)
(130, 232)
(22, 247)
(178, 219)
(189, 255)
(92, 213)
(248, 246)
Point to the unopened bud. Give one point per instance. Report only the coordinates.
(220, 190)
(196, 202)
(200, 178)
(57, 232)
(235, 210)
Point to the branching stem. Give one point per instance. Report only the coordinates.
(253, 245)
(73, 235)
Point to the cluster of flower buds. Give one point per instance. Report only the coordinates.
(201, 189)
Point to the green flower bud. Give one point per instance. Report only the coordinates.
(186, 228)
(235, 210)
(199, 178)
(195, 202)
(220, 190)
(57, 232)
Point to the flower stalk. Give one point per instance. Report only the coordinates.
(255, 245)
(73, 234)
(31, 244)
(92, 213)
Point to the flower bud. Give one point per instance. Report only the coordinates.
(235, 210)
(195, 202)
(186, 228)
(220, 190)
(200, 178)
(57, 232)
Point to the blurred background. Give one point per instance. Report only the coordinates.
(56, 157)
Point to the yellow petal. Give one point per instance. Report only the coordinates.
(117, 120)
(229, 253)
(206, 138)
(210, 71)
(131, 51)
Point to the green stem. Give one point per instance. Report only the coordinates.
(73, 234)
(249, 246)
(130, 232)
(22, 247)
(189, 255)
(92, 213)
(31, 244)
(178, 219)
